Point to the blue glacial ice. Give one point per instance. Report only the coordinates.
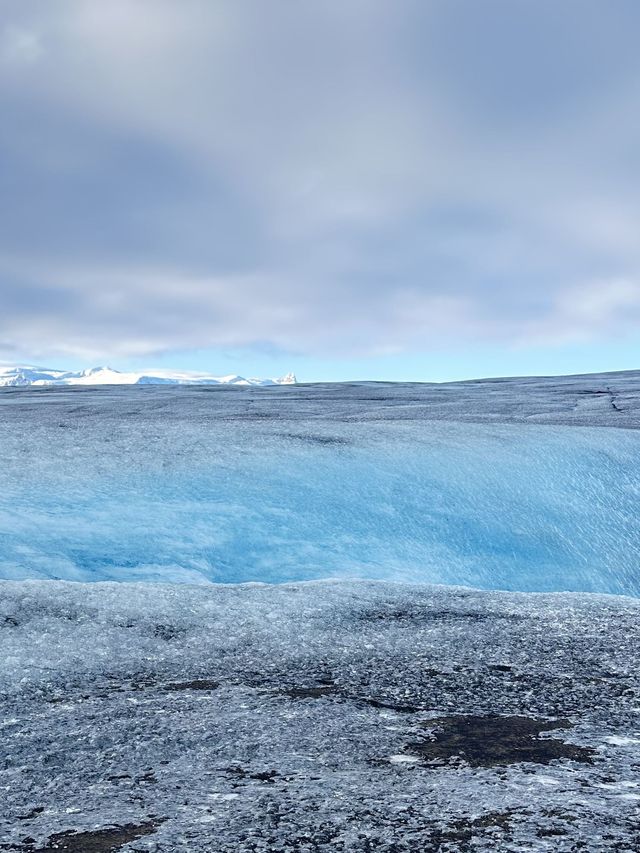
(506, 485)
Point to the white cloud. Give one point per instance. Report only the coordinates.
(606, 309)
(318, 176)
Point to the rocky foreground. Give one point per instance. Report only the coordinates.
(331, 716)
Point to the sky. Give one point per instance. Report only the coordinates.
(348, 189)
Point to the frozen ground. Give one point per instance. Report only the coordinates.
(328, 716)
(338, 715)
(511, 484)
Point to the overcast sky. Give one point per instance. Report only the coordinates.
(383, 189)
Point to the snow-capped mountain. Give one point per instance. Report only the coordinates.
(22, 375)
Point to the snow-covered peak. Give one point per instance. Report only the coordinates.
(27, 375)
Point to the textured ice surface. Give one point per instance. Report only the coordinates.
(512, 484)
(330, 716)
(342, 716)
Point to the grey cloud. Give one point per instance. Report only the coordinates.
(317, 177)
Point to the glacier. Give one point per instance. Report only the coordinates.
(528, 485)
(380, 617)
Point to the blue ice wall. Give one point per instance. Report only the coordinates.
(197, 496)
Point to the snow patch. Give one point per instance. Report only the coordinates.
(403, 759)
(618, 740)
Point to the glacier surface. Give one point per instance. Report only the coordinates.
(325, 717)
(350, 713)
(512, 484)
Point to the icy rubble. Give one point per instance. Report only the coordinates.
(326, 716)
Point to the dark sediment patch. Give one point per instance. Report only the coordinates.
(317, 692)
(33, 813)
(322, 440)
(492, 740)
(239, 774)
(96, 841)
(387, 705)
(426, 614)
(196, 684)
(464, 831)
(331, 690)
(133, 685)
(169, 632)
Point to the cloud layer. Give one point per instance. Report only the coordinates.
(317, 177)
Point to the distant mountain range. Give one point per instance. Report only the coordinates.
(21, 375)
